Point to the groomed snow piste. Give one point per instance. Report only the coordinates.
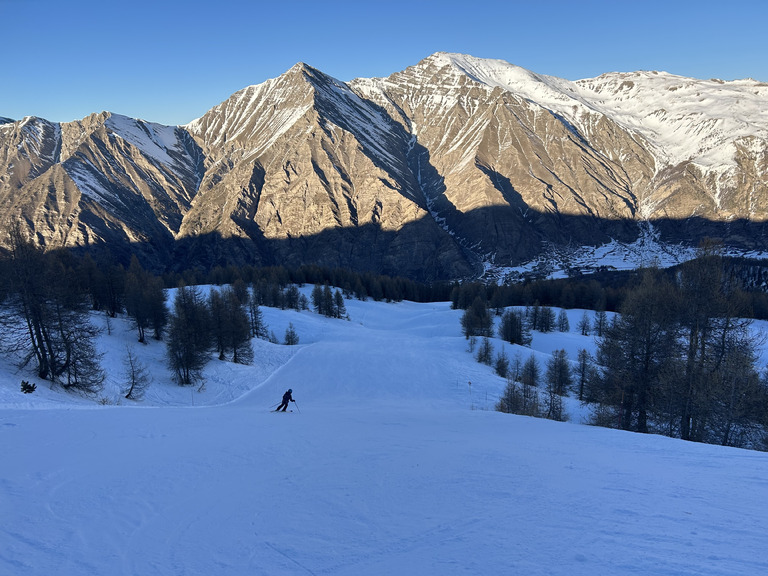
(390, 463)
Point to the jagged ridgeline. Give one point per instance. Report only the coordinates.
(443, 170)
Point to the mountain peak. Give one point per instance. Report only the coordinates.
(309, 73)
(299, 69)
(490, 72)
(483, 158)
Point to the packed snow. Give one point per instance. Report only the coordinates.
(392, 461)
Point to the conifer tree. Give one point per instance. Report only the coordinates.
(516, 367)
(558, 374)
(241, 291)
(256, 318)
(340, 310)
(501, 363)
(158, 311)
(145, 300)
(529, 379)
(230, 325)
(327, 306)
(317, 299)
(514, 329)
(637, 351)
(600, 323)
(533, 315)
(189, 337)
(291, 298)
(584, 373)
(716, 335)
(531, 372)
(584, 324)
(291, 337)
(46, 317)
(485, 352)
(218, 327)
(135, 304)
(511, 400)
(476, 320)
(546, 319)
(239, 336)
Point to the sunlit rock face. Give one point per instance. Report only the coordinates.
(450, 166)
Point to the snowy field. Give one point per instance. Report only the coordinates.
(390, 463)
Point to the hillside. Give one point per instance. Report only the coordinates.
(390, 462)
(448, 169)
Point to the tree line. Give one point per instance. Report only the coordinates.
(607, 290)
(47, 300)
(352, 284)
(680, 358)
(44, 320)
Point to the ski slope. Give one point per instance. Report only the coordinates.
(391, 462)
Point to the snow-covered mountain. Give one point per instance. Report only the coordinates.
(452, 166)
(309, 171)
(106, 179)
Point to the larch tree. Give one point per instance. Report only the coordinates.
(145, 301)
(584, 324)
(637, 350)
(136, 377)
(291, 336)
(189, 337)
(46, 320)
(559, 382)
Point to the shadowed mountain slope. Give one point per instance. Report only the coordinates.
(450, 166)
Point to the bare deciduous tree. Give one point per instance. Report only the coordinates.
(136, 376)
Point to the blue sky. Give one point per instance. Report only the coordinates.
(171, 61)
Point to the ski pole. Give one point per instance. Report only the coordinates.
(297, 407)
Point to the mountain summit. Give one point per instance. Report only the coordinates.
(451, 166)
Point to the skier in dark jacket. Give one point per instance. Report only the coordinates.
(286, 398)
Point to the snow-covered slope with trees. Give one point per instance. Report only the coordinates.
(393, 460)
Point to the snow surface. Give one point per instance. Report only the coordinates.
(89, 179)
(560, 261)
(154, 140)
(682, 118)
(390, 463)
(267, 110)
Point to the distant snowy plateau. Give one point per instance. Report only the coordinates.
(453, 168)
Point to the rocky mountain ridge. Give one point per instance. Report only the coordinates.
(444, 170)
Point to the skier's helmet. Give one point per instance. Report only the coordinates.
(289, 390)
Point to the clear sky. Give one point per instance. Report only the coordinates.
(169, 61)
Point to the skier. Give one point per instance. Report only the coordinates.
(286, 398)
